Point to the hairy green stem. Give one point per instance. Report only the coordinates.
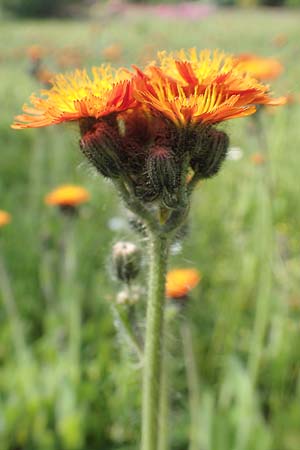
(153, 344)
(133, 204)
(163, 438)
(121, 315)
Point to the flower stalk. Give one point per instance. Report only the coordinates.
(163, 437)
(158, 249)
(121, 316)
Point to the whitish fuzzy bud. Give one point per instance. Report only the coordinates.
(129, 296)
(126, 258)
(163, 170)
(212, 150)
(102, 146)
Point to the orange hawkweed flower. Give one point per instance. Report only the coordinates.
(208, 68)
(35, 52)
(76, 96)
(181, 281)
(44, 76)
(205, 88)
(280, 40)
(67, 195)
(130, 124)
(5, 218)
(112, 52)
(259, 67)
(258, 159)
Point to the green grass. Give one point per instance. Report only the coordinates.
(64, 386)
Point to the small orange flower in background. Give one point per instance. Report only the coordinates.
(258, 159)
(181, 281)
(44, 76)
(259, 67)
(5, 218)
(280, 40)
(76, 96)
(70, 57)
(112, 52)
(35, 52)
(67, 195)
(291, 99)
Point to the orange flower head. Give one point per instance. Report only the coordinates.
(112, 52)
(67, 196)
(70, 57)
(153, 127)
(206, 88)
(258, 159)
(207, 68)
(44, 76)
(35, 52)
(280, 40)
(77, 96)
(5, 218)
(181, 281)
(195, 68)
(259, 67)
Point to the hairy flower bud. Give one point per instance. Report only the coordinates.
(163, 172)
(102, 146)
(210, 152)
(130, 296)
(126, 258)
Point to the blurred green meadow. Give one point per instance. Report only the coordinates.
(68, 381)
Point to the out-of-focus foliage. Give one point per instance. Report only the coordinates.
(38, 8)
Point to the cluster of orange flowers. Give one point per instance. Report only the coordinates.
(152, 127)
(183, 87)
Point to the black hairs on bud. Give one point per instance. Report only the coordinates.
(102, 147)
(126, 259)
(163, 170)
(210, 152)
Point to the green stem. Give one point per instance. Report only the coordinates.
(163, 438)
(193, 183)
(153, 344)
(121, 315)
(134, 205)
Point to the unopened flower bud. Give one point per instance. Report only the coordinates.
(126, 258)
(129, 297)
(102, 146)
(163, 171)
(212, 150)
